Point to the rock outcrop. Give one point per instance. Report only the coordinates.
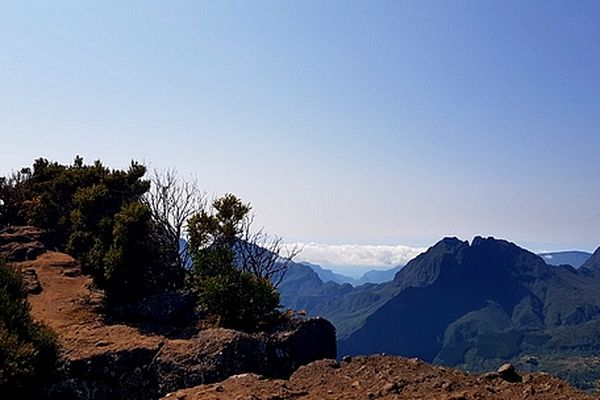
(153, 367)
(214, 354)
(21, 243)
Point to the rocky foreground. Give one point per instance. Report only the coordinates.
(384, 377)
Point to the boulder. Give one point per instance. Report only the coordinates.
(215, 354)
(114, 374)
(21, 243)
(31, 281)
(22, 234)
(508, 373)
(16, 252)
(300, 342)
(211, 356)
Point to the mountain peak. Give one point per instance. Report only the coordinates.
(593, 263)
(452, 260)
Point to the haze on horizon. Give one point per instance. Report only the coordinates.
(377, 123)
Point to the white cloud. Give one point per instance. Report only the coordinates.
(355, 255)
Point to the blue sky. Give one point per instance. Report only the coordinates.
(341, 122)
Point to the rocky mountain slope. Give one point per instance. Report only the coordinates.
(379, 276)
(345, 306)
(149, 349)
(592, 265)
(573, 258)
(477, 305)
(385, 377)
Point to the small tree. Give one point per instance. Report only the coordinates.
(13, 193)
(240, 299)
(231, 272)
(172, 202)
(264, 256)
(213, 236)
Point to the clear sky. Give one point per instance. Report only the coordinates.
(369, 122)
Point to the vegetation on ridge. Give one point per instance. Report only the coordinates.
(27, 349)
(126, 231)
(240, 298)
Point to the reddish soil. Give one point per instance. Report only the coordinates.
(70, 307)
(381, 377)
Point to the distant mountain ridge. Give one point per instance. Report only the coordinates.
(480, 304)
(327, 275)
(573, 258)
(470, 305)
(379, 275)
(371, 276)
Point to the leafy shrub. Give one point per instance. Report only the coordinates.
(97, 215)
(135, 267)
(225, 288)
(240, 299)
(28, 350)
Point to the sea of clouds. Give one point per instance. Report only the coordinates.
(357, 255)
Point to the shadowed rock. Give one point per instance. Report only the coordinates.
(21, 243)
(508, 373)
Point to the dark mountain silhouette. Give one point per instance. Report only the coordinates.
(327, 275)
(379, 275)
(476, 305)
(345, 306)
(593, 263)
(573, 258)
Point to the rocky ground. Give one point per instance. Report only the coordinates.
(384, 377)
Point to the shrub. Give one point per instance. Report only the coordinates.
(240, 294)
(28, 350)
(96, 215)
(240, 299)
(134, 266)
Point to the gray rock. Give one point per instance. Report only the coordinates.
(31, 282)
(21, 243)
(508, 373)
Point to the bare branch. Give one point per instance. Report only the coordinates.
(172, 202)
(264, 256)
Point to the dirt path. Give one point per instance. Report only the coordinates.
(68, 306)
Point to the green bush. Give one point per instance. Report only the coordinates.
(97, 215)
(134, 266)
(28, 350)
(240, 299)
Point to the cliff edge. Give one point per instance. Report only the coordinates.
(108, 358)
